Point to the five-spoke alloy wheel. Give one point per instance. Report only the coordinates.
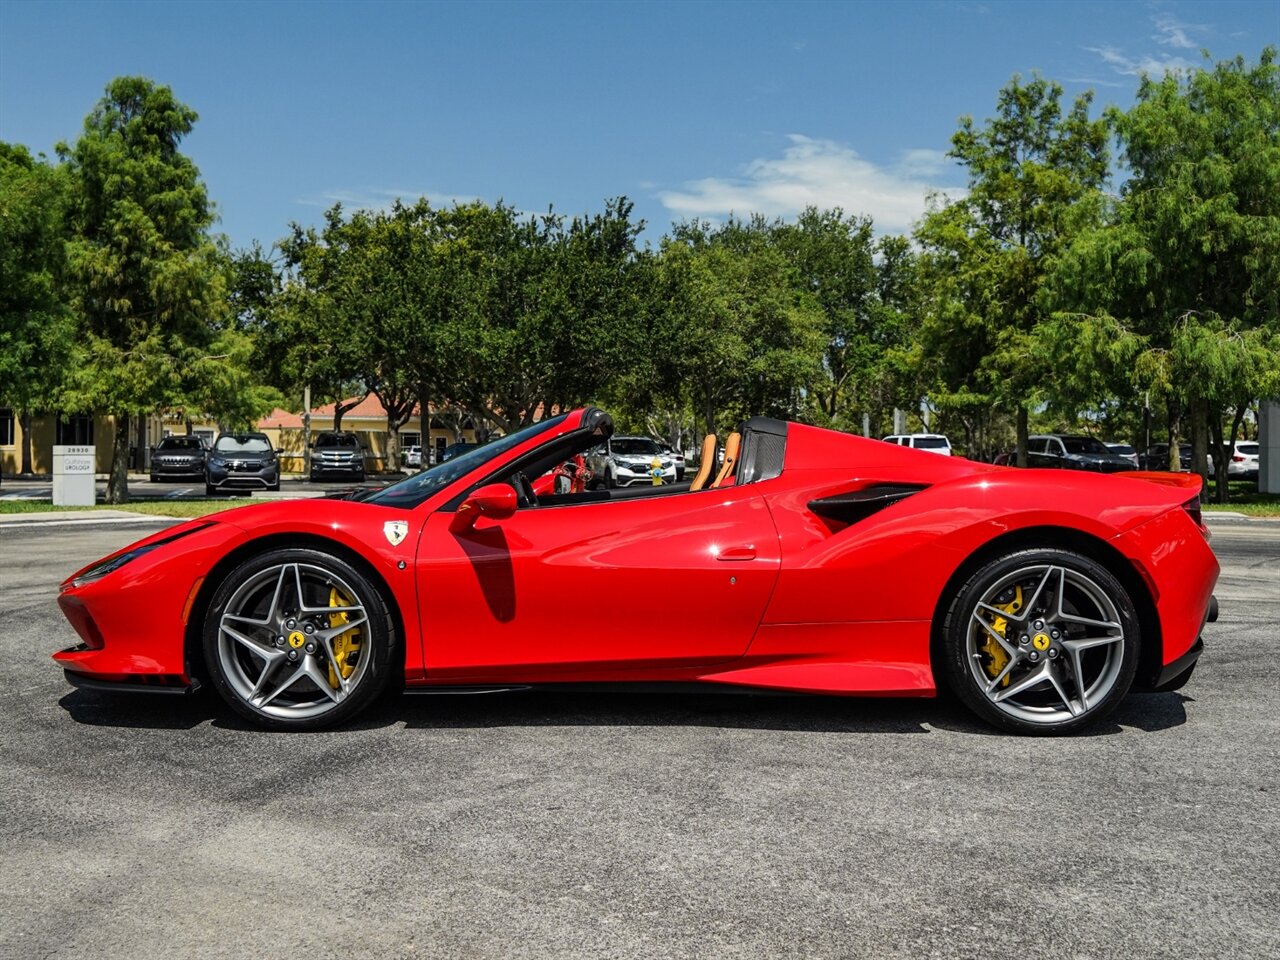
(1042, 641)
(298, 639)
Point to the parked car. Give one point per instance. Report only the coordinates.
(677, 457)
(829, 565)
(1068, 451)
(412, 456)
(1244, 462)
(241, 461)
(337, 453)
(1126, 451)
(933, 442)
(1157, 457)
(179, 456)
(456, 449)
(623, 461)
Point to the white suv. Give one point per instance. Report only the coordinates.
(933, 442)
(623, 461)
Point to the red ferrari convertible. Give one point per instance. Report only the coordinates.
(807, 560)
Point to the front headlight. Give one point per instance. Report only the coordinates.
(217, 462)
(111, 564)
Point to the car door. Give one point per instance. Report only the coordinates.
(657, 581)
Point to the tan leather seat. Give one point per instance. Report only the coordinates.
(705, 463)
(731, 448)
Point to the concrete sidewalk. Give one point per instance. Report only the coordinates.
(65, 517)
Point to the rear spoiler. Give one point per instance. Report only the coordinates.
(1191, 482)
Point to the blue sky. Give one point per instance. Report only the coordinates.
(690, 109)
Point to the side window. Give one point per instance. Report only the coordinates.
(1035, 446)
(1056, 448)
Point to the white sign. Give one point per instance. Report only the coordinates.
(73, 474)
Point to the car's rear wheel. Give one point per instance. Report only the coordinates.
(1041, 641)
(298, 639)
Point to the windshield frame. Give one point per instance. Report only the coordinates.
(1073, 445)
(180, 443)
(415, 490)
(613, 447)
(240, 441)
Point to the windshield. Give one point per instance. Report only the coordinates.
(1246, 448)
(931, 443)
(337, 440)
(1123, 449)
(181, 443)
(242, 444)
(413, 490)
(1084, 445)
(634, 447)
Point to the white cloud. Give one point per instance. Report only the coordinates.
(1128, 66)
(818, 173)
(1172, 32)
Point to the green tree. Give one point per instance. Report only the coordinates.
(1035, 174)
(739, 335)
(145, 276)
(35, 329)
(1202, 209)
(1178, 294)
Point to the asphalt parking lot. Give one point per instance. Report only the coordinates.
(539, 825)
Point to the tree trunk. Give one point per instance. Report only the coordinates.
(1200, 441)
(118, 481)
(1175, 457)
(1022, 436)
(424, 424)
(24, 418)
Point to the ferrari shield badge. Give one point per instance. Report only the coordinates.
(396, 531)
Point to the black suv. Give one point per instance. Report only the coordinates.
(177, 457)
(336, 453)
(241, 461)
(1072, 452)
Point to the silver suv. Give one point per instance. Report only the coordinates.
(623, 461)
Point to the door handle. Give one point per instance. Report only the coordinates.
(745, 552)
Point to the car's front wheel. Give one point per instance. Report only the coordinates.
(298, 639)
(1041, 641)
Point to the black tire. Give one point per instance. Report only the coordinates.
(610, 482)
(1085, 670)
(274, 487)
(210, 490)
(300, 704)
(154, 478)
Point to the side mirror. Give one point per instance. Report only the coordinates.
(497, 501)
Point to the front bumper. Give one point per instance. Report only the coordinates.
(627, 476)
(243, 478)
(353, 468)
(132, 622)
(190, 469)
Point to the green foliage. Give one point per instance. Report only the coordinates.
(35, 333)
(1190, 260)
(1035, 175)
(738, 333)
(147, 283)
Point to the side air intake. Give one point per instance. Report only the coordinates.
(849, 508)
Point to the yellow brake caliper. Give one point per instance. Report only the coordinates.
(346, 645)
(997, 658)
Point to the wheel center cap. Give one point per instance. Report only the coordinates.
(1040, 641)
(297, 639)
